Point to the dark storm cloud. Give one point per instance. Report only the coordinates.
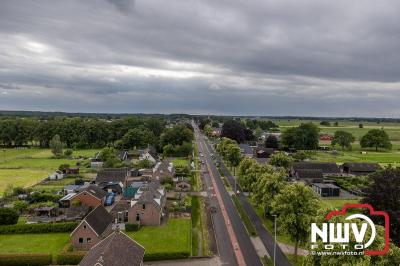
(228, 57)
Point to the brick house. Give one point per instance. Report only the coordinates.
(162, 171)
(91, 196)
(95, 227)
(117, 249)
(112, 175)
(147, 208)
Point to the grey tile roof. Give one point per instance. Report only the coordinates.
(326, 168)
(362, 167)
(99, 219)
(116, 249)
(112, 175)
(95, 191)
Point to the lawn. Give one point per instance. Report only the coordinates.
(33, 243)
(172, 237)
(333, 204)
(180, 162)
(26, 167)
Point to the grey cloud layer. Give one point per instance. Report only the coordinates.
(228, 57)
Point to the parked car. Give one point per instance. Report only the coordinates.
(109, 199)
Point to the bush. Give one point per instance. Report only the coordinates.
(8, 216)
(166, 255)
(132, 227)
(71, 258)
(25, 259)
(38, 228)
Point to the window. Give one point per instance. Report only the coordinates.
(80, 240)
(89, 240)
(84, 227)
(137, 217)
(144, 206)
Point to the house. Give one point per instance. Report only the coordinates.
(91, 230)
(122, 155)
(72, 171)
(49, 211)
(115, 187)
(216, 132)
(119, 211)
(116, 249)
(163, 171)
(96, 162)
(112, 175)
(326, 190)
(326, 168)
(91, 196)
(68, 189)
(261, 152)
(147, 207)
(57, 175)
(325, 137)
(131, 190)
(309, 176)
(360, 168)
(65, 202)
(149, 154)
(246, 150)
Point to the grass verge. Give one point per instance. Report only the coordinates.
(251, 230)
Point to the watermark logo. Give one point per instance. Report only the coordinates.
(334, 235)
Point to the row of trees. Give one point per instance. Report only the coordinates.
(297, 206)
(230, 151)
(306, 137)
(78, 132)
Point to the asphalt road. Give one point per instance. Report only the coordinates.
(266, 237)
(225, 247)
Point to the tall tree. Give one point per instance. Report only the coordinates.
(234, 130)
(233, 155)
(376, 138)
(56, 145)
(303, 137)
(139, 137)
(267, 186)
(343, 139)
(280, 159)
(272, 142)
(296, 206)
(384, 194)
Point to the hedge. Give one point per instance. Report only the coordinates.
(71, 258)
(245, 218)
(131, 227)
(38, 228)
(25, 259)
(166, 256)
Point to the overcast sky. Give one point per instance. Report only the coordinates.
(266, 57)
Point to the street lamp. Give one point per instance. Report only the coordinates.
(275, 238)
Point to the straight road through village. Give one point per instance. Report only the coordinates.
(233, 241)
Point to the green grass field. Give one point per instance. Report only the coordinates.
(33, 243)
(333, 204)
(180, 162)
(172, 237)
(26, 167)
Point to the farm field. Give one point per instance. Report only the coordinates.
(382, 157)
(172, 237)
(33, 243)
(26, 167)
